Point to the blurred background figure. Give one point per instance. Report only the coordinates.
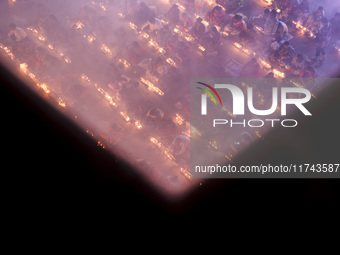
(322, 40)
(198, 29)
(236, 26)
(173, 14)
(216, 16)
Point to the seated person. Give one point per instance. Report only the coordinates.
(157, 67)
(322, 39)
(153, 118)
(314, 20)
(251, 69)
(271, 24)
(248, 36)
(285, 53)
(212, 38)
(17, 34)
(143, 14)
(296, 65)
(186, 22)
(153, 25)
(198, 29)
(180, 147)
(216, 16)
(136, 53)
(236, 25)
(173, 14)
(261, 19)
(21, 43)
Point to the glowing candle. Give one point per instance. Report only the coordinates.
(201, 48)
(106, 50)
(171, 62)
(179, 119)
(41, 38)
(125, 116)
(133, 26)
(138, 124)
(278, 73)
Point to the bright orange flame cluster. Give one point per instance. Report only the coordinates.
(179, 119)
(303, 29)
(160, 146)
(152, 87)
(100, 5)
(105, 49)
(7, 51)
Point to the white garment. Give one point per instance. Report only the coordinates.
(285, 28)
(19, 34)
(153, 27)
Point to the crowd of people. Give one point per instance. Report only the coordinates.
(269, 33)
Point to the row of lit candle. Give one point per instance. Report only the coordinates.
(100, 5)
(7, 51)
(109, 99)
(178, 119)
(186, 36)
(24, 68)
(262, 62)
(151, 86)
(303, 29)
(162, 148)
(151, 41)
(90, 38)
(43, 39)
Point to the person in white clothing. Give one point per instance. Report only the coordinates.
(152, 25)
(17, 34)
